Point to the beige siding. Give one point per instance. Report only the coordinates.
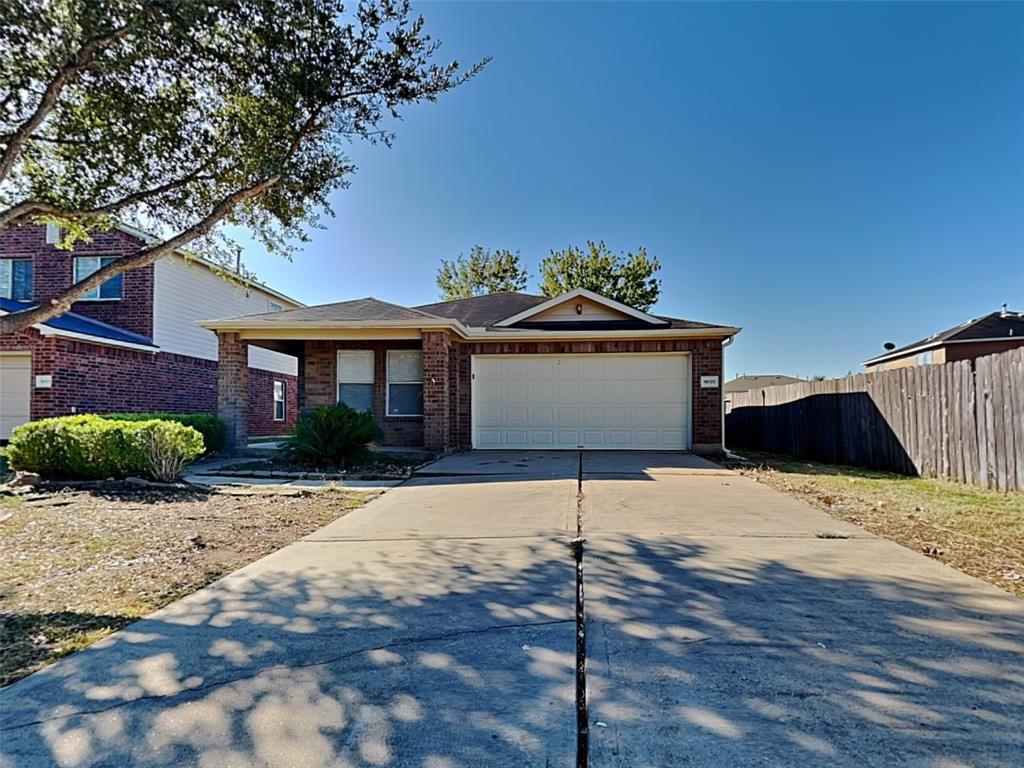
(566, 312)
(185, 294)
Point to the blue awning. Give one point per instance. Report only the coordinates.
(82, 326)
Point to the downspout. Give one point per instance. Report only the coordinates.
(721, 389)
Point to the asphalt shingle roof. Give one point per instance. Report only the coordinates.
(482, 311)
(994, 325)
(474, 312)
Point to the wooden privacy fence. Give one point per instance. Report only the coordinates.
(948, 420)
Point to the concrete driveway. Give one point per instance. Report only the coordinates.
(435, 628)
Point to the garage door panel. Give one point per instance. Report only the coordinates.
(516, 438)
(568, 438)
(542, 415)
(15, 392)
(516, 417)
(569, 414)
(542, 438)
(541, 368)
(567, 392)
(590, 401)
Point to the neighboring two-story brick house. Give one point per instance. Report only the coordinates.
(134, 344)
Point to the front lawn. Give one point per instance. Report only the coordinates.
(78, 565)
(977, 531)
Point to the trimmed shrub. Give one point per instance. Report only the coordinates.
(213, 430)
(95, 448)
(331, 436)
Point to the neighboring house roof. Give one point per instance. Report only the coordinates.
(995, 326)
(71, 325)
(490, 316)
(747, 383)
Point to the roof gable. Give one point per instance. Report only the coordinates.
(579, 305)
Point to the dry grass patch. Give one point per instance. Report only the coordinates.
(78, 565)
(977, 531)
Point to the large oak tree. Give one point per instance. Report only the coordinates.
(188, 114)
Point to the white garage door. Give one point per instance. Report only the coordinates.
(581, 401)
(15, 392)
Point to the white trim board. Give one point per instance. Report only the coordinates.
(579, 293)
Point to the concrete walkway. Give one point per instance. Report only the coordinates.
(434, 627)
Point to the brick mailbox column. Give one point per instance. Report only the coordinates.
(233, 387)
(437, 349)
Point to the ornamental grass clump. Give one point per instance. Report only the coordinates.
(332, 436)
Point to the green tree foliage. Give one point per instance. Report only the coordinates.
(91, 447)
(629, 278)
(483, 272)
(191, 114)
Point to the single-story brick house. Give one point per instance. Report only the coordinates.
(505, 370)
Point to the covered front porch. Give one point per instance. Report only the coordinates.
(403, 378)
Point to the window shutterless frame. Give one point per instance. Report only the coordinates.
(111, 290)
(404, 382)
(280, 400)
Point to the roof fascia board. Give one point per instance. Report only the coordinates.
(577, 293)
(89, 338)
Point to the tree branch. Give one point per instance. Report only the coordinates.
(16, 214)
(58, 305)
(79, 60)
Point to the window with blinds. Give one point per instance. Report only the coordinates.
(355, 379)
(405, 382)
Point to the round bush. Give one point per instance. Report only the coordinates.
(93, 448)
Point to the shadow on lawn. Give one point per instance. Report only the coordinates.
(450, 653)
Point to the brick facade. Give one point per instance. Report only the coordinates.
(53, 271)
(233, 387)
(94, 378)
(89, 378)
(447, 385)
(318, 371)
(437, 431)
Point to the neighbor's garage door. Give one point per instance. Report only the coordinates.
(581, 401)
(15, 392)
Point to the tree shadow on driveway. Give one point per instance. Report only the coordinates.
(718, 653)
(425, 653)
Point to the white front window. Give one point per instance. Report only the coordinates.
(355, 378)
(405, 382)
(86, 265)
(280, 407)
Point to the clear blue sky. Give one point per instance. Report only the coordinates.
(829, 177)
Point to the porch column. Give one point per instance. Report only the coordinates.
(437, 347)
(233, 388)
